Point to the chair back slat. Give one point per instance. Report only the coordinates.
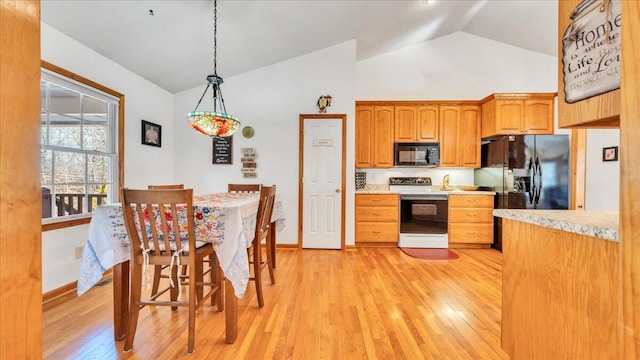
(265, 209)
(152, 217)
(243, 188)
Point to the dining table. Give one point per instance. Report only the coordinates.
(228, 220)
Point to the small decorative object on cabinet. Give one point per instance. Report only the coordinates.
(324, 101)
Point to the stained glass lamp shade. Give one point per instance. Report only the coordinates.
(217, 122)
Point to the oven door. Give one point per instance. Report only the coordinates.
(423, 221)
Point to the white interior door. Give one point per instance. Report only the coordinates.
(322, 180)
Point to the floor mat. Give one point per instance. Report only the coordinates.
(430, 254)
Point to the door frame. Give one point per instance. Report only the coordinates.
(303, 117)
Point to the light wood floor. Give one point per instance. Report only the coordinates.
(367, 303)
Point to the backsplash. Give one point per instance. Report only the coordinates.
(381, 176)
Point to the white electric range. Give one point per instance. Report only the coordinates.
(423, 213)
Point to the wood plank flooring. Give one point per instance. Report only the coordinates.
(365, 303)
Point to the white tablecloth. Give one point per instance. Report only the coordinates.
(225, 219)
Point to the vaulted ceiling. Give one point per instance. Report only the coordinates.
(170, 43)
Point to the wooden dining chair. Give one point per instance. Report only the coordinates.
(243, 188)
(256, 259)
(157, 271)
(157, 238)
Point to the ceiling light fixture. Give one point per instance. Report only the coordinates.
(217, 122)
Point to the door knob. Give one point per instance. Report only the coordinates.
(337, 191)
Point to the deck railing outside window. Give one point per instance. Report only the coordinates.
(70, 204)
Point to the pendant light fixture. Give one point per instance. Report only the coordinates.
(217, 122)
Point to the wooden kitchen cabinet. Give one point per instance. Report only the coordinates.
(377, 219)
(374, 136)
(470, 220)
(459, 136)
(517, 114)
(416, 123)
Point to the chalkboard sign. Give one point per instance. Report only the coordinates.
(223, 150)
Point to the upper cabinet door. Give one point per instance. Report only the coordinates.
(364, 136)
(538, 116)
(448, 136)
(383, 137)
(509, 114)
(427, 123)
(469, 136)
(405, 123)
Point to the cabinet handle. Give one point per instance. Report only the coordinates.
(376, 200)
(470, 201)
(376, 232)
(376, 214)
(471, 233)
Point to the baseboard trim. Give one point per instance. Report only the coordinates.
(64, 293)
(286, 246)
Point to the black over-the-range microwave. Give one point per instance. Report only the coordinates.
(417, 154)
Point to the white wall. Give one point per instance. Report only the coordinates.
(270, 100)
(143, 164)
(459, 66)
(603, 178)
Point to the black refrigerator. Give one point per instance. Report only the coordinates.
(526, 172)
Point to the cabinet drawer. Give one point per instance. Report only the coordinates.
(471, 201)
(377, 200)
(384, 214)
(376, 232)
(470, 215)
(471, 233)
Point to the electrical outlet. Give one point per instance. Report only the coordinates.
(79, 250)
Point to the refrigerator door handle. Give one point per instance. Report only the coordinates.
(532, 184)
(538, 181)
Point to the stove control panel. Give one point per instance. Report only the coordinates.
(425, 181)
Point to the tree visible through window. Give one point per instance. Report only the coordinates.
(78, 136)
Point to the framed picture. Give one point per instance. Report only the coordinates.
(610, 153)
(151, 134)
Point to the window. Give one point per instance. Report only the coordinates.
(80, 137)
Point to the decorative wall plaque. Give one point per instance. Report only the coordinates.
(249, 164)
(591, 50)
(223, 150)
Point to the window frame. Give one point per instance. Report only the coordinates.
(77, 219)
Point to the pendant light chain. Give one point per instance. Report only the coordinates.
(215, 37)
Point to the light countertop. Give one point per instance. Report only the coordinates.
(600, 224)
(384, 189)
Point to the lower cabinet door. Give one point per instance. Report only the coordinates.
(376, 232)
(470, 233)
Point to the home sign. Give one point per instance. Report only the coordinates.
(591, 50)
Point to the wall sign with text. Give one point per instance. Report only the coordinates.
(223, 150)
(249, 164)
(591, 50)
